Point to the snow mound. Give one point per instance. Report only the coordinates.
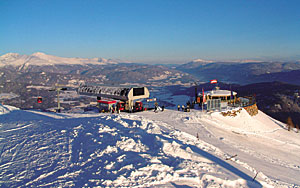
(257, 143)
(244, 123)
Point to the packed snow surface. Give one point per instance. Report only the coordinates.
(147, 149)
(4, 109)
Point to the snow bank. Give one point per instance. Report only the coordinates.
(4, 109)
(244, 123)
(259, 143)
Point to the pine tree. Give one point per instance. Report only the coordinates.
(290, 123)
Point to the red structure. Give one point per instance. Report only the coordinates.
(39, 100)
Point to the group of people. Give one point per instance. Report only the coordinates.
(115, 108)
(158, 108)
(184, 108)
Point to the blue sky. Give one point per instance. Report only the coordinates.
(153, 31)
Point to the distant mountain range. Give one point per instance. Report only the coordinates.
(28, 68)
(108, 71)
(42, 59)
(244, 72)
(19, 72)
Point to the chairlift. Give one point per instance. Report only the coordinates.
(39, 100)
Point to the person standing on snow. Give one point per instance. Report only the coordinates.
(187, 107)
(118, 109)
(178, 107)
(155, 108)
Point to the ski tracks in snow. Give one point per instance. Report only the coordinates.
(122, 150)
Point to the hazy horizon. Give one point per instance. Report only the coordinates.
(179, 61)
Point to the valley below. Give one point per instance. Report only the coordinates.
(24, 78)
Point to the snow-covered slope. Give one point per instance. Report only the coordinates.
(4, 109)
(41, 59)
(146, 149)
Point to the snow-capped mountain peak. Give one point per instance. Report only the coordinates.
(42, 59)
(38, 54)
(202, 61)
(9, 56)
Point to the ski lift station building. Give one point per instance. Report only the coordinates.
(217, 93)
(126, 94)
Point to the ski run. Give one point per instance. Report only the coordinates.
(146, 149)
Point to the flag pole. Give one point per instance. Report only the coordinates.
(203, 98)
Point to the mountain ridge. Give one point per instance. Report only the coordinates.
(241, 72)
(42, 59)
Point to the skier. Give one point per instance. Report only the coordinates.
(183, 108)
(178, 107)
(187, 107)
(118, 109)
(155, 107)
